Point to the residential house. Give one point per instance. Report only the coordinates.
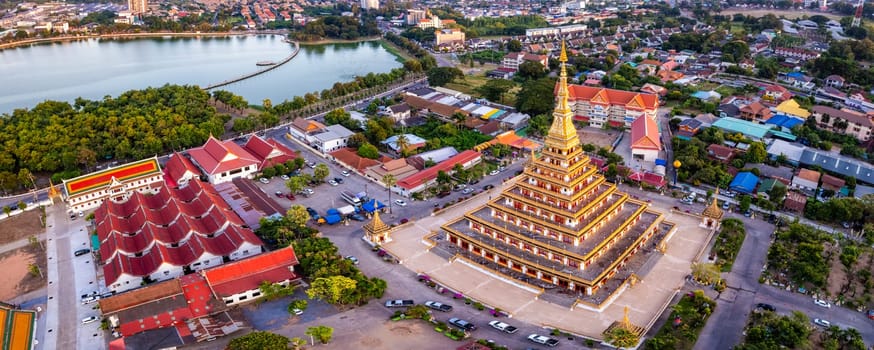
(433, 157)
(843, 121)
(747, 64)
(728, 110)
(413, 142)
(514, 121)
(159, 237)
(721, 153)
(755, 112)
(793, 109)
(744, 182)
(835, 81)
(832, 183)
(654, 89)
(791, 152)
(796, 53)
(399, 112)
(795, 202)
(305, 129)
(806, 180)
(837, 164)
(775, 94)
(239, 281)
(765, 187)
(222, 161)
(689, 128)
(513, 60)
(91, 190)
(617, 108)
(421, 180)
(645, 140)
(334, 137)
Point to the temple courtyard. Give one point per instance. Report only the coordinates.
(661, 276)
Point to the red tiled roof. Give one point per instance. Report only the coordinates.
(268, 152)
(176, 168)
(645, 134)
(216, 156)
(175, 226)
(417, 179)
(247, 274)
(129, 171)
(720, 151)
(349, 157)
(604, 96)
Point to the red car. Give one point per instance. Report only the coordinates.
(290, 196)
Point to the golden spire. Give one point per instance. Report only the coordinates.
(713, 210)
(562, 134)
(375, 226)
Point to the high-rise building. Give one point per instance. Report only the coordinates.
(369, 4)
(562, 224)
(137, 7)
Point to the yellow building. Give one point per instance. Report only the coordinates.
(562, 224)
(792, 108)
(448, 36)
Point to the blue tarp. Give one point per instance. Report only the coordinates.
(744, 182)
(661, 162)
(784, 121)
(333, 211)
(372, 205)
(333, 219)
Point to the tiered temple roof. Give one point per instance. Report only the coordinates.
(562, 223)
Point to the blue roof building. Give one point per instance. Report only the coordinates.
(744, 182)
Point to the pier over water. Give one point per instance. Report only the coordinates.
(260, 71)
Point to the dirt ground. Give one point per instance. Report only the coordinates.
(597, 137)
(838, 277)
(16, 278)
(20, 226)
(789, 14)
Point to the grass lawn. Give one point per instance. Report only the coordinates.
(469, 84)
(395, 50)
(728, 243)
(685, 323)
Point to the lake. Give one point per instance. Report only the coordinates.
(95, 68)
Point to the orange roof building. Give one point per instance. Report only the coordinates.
(238, 282)
(617, 108)
(645, 140)
(222, 161)
(351, 158)
(89, 191)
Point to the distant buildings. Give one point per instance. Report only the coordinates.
(843, 121)
(451, 36)
(369, 4)
(137, 7)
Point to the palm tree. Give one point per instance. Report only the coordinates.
(389, 180)
(402, 143)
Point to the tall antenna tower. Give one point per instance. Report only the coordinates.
(857, 20)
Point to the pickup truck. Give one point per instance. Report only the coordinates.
(542, 339)
(438, 306)
(399, 303)
(503, 327)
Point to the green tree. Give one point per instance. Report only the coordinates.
(297, 216)
(259, 341)
(777, 193)
(745, 202)
(272, 291)
(320, 172)
(297, 343)
(389, 181)
(494, 90)
(514, 46)
(22, 205)
(6, 210)
(267, 104)
(403, 144)
(34, 270)
(331, 289)
(440, 76)
(322, 333)
(532, 70)
(443, 178)
(621, 337)
(756, 153)
(297, 183)
(536, 97)
(368, 151)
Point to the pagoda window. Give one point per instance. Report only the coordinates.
(526, 247)
(566, 239)
(477, 250)
(453, 240)
(573, 263)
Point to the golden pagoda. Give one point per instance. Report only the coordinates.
(711, 217)
(377, 231)
(562, 225)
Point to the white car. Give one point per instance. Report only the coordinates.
(284, 177)
(89, 319)
(308, 191)
(264, 180)
(467, 191)
(542, 339)
(297, 312)
(346, 173)
(400, 202)
(333, 183)
(821, 322)
(494, 172)
(353, 259)
(822, 303)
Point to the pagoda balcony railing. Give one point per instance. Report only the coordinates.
(603, 211)
(573, 229)
(516, 194)
(534, 172)
(556, 191)
(559, 168)
(525, 235)
(524, 257)
(533, 217)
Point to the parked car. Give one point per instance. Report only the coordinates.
(90, 319)
(279, 194)
(311, 165)
(464, 325)
(443, 194)
(346, 173)
(307, 191)
(488, 187)
(467, 191)
(725, 205)
(748, 213)
(333, 183)
(400, 202)
(766, 307)
(438, 306)
(503, 327)
(822, 303)
(284, 177)
(494, 172)
(264, 180)
(90, 299)
(357, 217)
(297, 312)
(353, 259)
(542, 339)
(81, 252)
(339, 180)
(399, 303)
(290, 196)
(821, 322)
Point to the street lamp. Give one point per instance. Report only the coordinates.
(677, 165)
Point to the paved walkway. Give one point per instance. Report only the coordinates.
(645, 300)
